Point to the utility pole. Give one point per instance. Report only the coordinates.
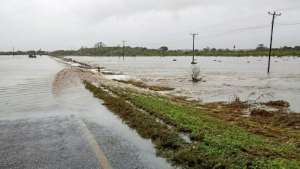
(123, 51)
(274, 14)
(194, 35)
(13, 53)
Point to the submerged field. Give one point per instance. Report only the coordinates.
(193, 134)
(215, 135)
(223, 78)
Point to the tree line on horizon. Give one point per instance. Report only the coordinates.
(38, 52)
(100, 49)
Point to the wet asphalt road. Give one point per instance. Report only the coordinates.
(50, 143)
(67, 130)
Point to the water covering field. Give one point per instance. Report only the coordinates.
(224, 78)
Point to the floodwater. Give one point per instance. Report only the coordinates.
(223, 78)
(43, 128)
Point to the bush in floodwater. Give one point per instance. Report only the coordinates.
(261, 113)
(237, 103)
(195, 73)
(278, 103)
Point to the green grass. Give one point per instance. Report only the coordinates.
(227, 144)
(216, 143)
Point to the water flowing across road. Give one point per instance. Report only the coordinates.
(61, 125)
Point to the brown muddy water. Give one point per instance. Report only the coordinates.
(224, 78)
(45, 124)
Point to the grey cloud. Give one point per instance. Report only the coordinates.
(55, 24)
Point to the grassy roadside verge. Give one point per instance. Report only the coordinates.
(216, 143)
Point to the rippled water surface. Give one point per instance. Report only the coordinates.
(28, 92)
(224, 77)
(26, 84)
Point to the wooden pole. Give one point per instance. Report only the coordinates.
(194, 35)
(123, 50)
(274, 14)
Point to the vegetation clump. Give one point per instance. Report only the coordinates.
(196, 74)
(237, 103)
(165, 138)
(278, 103)
(261, 112)
(146, 86)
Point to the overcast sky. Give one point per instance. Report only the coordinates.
(70, 24)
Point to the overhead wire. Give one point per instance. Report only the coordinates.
(242, 29)
(248, 28)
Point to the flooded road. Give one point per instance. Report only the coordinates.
(223, 77)
(46, 127)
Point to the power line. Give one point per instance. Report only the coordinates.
(242, 29)
(288, 8)
(243, 18)
(288, 24)
(238, 30)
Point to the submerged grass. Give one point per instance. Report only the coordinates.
(166, 140)
(146, 86)
(217, 142)
(228, 144)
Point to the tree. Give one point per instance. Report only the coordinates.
(297, 47)
(207, 49)
(287, 48)
(164, 48)
(261, 47)
(99, 45)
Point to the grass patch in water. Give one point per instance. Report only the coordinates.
(146, 86)
(218, 143)
(230, 144)
(166, 140)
